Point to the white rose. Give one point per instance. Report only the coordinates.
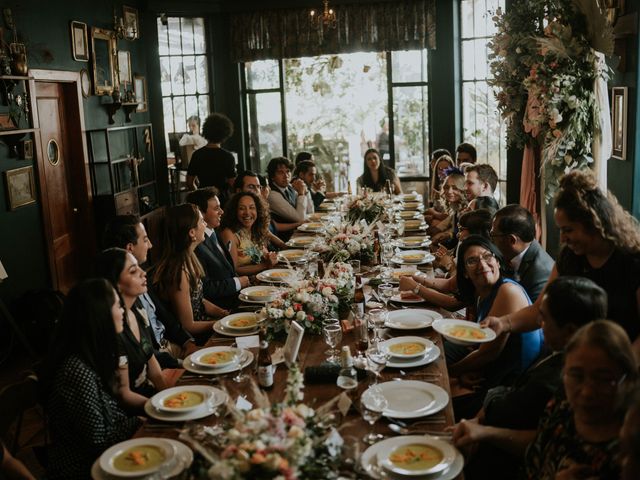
(289, 313)
(327, 291)
(303, 411)
(221, 471)
(295, 432)
(255, 414)
(300, 315)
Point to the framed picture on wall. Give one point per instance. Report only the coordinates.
(79, 42)
(21, 187)
(124, 67)
(619, 101)
(131, 22)
(140, 90)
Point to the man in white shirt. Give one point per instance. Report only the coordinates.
(288, 201)
(481, 180)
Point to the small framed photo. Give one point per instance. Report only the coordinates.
(124, 67)
(21, 187)
(292, 345)
(140, 90)
(79, 41)
(130, 18)
(619, 99)
(25, 150)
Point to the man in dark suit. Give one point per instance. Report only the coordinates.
(221, 283)
(513, 231)
(172, 342)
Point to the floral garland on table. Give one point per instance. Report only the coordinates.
(545, 77)
(286, 441)
(368, 207)
(348, 242)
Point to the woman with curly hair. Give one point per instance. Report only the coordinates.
(245, 229)
(446, 231)
(601, 241)
(178, 276)
(212, 165)
(375, 175)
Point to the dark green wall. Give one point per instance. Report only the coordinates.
(44, 27)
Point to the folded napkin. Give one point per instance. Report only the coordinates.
(327, 373)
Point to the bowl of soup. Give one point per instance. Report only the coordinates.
(260, 294)
(137, 457)
(406, 347)
(462, 332)
(215, 357)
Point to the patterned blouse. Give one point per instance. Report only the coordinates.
(557, 445)
(84, 420)
(197, 302)
(249, 253)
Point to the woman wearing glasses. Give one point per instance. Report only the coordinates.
(601, 242)
(485, 290)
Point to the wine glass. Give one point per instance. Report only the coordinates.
(240, 376)
(377, 316)
(385, 291)
(377, 358)
(332, 332)
(372, 407)
(387, 253)
(361, 330)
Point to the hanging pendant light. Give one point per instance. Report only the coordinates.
(327, 18)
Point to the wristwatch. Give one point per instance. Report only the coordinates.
(416, 290)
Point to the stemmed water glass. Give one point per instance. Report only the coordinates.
(377, 316)
(240, 376)
(387, 253)
(377, 357)
(332, 333)
(385, 291)
(373, 406)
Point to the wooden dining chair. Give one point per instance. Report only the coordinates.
(15, 399)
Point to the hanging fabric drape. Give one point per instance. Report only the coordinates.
(528, 180)
(376, 27)
(602, 140)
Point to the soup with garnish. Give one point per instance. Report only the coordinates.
(292, 255)
(416, 457)
(184, 400)
(407, 348)
(218, 358)
(413, 257)
(279, 274)
(242, 322)
(466, 333)
(139, 458)
(412, 223)
(260, 293)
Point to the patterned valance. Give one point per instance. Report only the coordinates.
(287, 33)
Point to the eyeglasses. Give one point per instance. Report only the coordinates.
(475, 261)
(573, 379)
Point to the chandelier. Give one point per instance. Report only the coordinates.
(327, 18)
(122, 30)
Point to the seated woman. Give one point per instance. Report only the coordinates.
(484, 289)
(376, 176)
(178, 275)
(140, 373)
(445, 231)
(193, 137)
(80, 382)
(438, 175)
(245, 228)
(568, 304)
(439, 291)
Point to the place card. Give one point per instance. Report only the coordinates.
(344, 403)
(250, 341)
(243, 404)
(294, 340)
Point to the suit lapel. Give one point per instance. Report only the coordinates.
(225, 258)
(527, 259)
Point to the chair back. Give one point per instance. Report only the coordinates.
(15, 399)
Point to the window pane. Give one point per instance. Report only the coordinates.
(165, 76)
(466, 18)
(480, 18)
(187, 35)
(198, 35)
(179, 114)
(192, 107)
(480, 57)
(492, 7)
(409, 66)
(177, 77)
(203, 106)
(167, 110)
(265, 127)
(202, 74)
(468, 62)
(410, 107)
(175, 44)
(262, 74)
(163, 39)
(189, 75)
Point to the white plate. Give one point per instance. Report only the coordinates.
(184, 459)
(293, 255)
(413, 242)
(157, 401)
(108, 456)
(431, 356)
(371, 455)
(410, 398)
(426, 344)
(318, 217)
(412, 206)
(408, 197)
(244, 298)
(312, 227)
(219, 328)
(196, 357)
(202, 412)
(413, 257)
(245, 359)
(444, 326)
(398, 272)
(447, 450)
(409, 214)
(261, 293)
(276, 275)
(398, 299)
(412, 319)
(300, 241)
(326, 206)
(228, 322)
(414, 225)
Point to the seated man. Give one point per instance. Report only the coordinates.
(288, 201)
(466, 154)
(172, 341)
(221, 283)
(316, 189)
(513, 232)
(480, 181)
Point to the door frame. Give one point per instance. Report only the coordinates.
(74, 111)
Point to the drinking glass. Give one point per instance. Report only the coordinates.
(332, 332)
(312, 263)
(385, 292)
(387, 253)
(386, 274)
(377, 316)
(361, 330)
(240, 376)
(400, 228)
(355, 265)
(372, 410)
(377, 358)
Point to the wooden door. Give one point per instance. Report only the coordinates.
(59, 170)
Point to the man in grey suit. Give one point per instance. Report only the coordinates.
(513, 231)
(221, 283)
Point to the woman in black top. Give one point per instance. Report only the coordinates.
(80, 382)
(140, 372)
(375, 175)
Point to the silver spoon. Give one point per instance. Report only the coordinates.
(406, 431)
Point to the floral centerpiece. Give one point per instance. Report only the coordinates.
(283, 441)
(346, 242)
(368, 207)
(544, 68)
